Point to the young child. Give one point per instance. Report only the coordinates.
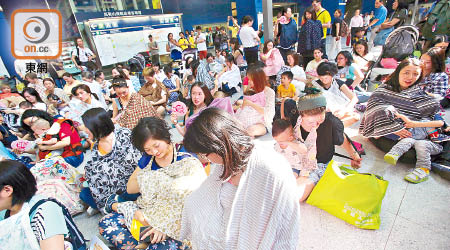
(47, 136)
(286, 88)
(56, 106)
(301, 155)
(359, 35)
(313, 118)
(425, 139)
(190, 80)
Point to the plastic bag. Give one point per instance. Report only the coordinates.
(351, 196)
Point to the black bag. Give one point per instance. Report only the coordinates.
(75, 237)
(77, 57)
(400, 46)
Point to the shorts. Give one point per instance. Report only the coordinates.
(317, 173)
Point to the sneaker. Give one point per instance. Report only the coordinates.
(391, 158)
(92, 211)
(418, 175)
(109, 202)
(440, 138)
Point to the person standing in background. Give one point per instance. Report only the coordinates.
(336, 43)
(379, 18)
(200, 40)
(153, 49)
(82, 55)
(288, 33)
(250, 40)
(356, 22)
(324, 17)
(234, 27)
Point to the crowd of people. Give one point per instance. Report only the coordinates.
(215, 188)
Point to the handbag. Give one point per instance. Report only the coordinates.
(349, 195)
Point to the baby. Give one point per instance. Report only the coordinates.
(47, 136)
(301, 155)
(248, 115)
(190, 80)
(56, 105)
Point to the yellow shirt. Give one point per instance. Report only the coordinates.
(192, 42)
(234, 31)
(324, 18)
(282, 92)
(183, 42)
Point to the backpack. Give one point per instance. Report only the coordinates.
(437, 22)
(343, 30)
(75, 237)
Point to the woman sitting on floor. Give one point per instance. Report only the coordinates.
(113, 160)
(165, 176)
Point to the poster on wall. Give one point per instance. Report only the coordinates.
(118, 40)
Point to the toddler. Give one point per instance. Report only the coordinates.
(286, 88)
(47, 136)
(424, 133)
(56, 105)
(301, 155)
(187, 85)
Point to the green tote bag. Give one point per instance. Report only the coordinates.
(351, 196)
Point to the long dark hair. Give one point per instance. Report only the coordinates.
(37, 113)
(437, 59)
(393, 80)
(208, 97)
(33, 92)
(265, 49)
(312, 12)
(216, 131)
(85, 88)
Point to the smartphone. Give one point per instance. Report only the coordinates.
(146, 240)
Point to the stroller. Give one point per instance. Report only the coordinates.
(399, 45)
(137, 65)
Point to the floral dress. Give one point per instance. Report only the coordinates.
(109, 174)
(163, 191)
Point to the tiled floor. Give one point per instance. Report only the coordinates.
(413, 216)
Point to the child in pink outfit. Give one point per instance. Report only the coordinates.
(301, 155)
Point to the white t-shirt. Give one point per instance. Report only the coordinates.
(201, 46)
(40, 106)
(248, 37)
(83, 54)
(298, 71)
(356, 21)
(160, 76)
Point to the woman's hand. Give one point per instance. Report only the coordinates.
(157, 235)
(403, 133)
(174, 119)
(247, 102)
(356, 162)
(139, 216)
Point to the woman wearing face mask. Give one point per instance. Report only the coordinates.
(244, 176)
(165, 176)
